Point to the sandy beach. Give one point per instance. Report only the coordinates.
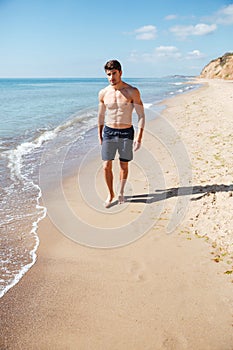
(154, 273)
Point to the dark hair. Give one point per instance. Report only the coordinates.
(112, 64)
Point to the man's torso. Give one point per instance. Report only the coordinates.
(119, 106)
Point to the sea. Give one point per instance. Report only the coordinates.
(35, 114)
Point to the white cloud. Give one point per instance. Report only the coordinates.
(167, 51)
(146, 32)
(225, 15)
(204, 29)
(160, 52)
(170, 17)
(198, 30)
(133, 57)
(195, 54)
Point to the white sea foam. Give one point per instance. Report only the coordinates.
(33, 255)
(177, 83)
(147, 105)
(15, 155)
(15, 163)
(189, 87)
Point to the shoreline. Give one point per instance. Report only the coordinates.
(138, 295)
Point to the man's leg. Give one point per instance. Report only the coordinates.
(108, 175)
(123, 179)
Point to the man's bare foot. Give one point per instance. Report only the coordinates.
(108, 201)
(121, 199)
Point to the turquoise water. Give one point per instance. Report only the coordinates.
(28, 105)
(35, 114)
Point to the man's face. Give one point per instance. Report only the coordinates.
(114, 76)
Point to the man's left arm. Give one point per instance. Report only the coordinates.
(139, 108)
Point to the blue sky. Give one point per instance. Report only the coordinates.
(71, 38)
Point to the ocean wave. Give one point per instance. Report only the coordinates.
(147, 105)
(177, 83)
(85, 121)
(20, 214)
(15, 277)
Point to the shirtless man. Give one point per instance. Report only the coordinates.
(115, 130)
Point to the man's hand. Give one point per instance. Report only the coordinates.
(100, 133)
(136, 145)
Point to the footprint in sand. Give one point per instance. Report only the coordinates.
(137, 271)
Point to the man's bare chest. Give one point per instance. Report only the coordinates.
(117, 97)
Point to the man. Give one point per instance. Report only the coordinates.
(115, 129)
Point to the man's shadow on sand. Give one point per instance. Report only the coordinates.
(161, 195)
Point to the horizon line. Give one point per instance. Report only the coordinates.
(93, 77)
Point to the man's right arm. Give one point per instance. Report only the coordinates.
(101, 116)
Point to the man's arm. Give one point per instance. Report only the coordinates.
(101, 116)
(139, 108)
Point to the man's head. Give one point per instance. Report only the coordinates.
(112, 64)
(113, 70)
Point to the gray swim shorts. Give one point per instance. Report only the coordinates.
(120, 140)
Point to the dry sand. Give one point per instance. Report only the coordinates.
(171, 288)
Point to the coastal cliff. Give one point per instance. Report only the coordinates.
(221, 68)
